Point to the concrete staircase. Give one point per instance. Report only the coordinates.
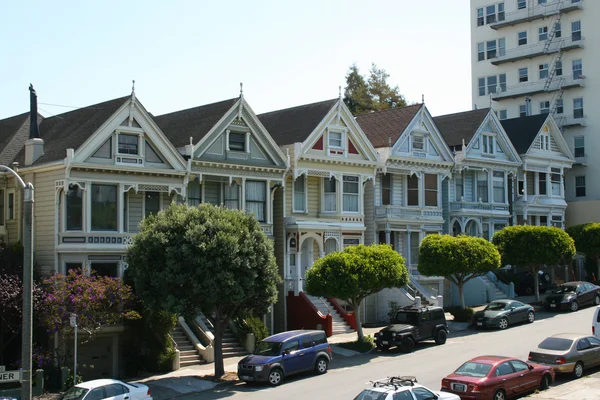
(498, 293)
(338, 323)
(188, 355)
(231, 345)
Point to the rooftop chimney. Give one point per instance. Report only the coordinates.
(34, 146)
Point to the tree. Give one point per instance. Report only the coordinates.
(534, 248)
(355, 273)
(587, 241)
(206, 259)
(457, 258)
(96, 300)
(373, 94)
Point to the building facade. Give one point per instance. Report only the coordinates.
(536, 56)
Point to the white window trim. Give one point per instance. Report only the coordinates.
(6, 216)
(490, 138)
(337, 196)
(294, 210)
(359, 195)
(344, 142)
(87, 215)
(84, 204)
(381, 189)
(246, 141)
(140, 156)
(425, 148)
(420, 201)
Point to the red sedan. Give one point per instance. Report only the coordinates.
(497, 378)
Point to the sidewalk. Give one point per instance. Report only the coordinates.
(586, 388)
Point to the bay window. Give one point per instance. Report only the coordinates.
(256, 199)
(231, 196)
(412, 191)
(151, 203)
(194, 193)
(330, 245)
(431, 190)
(542, 183)
(458, 189)
(300, 194)
(104, 207)
(110, 269)
(350, 193)
(555, 181)
(386, 189)
(498, 187)
(74, 208)
(329, 195)
(482, 186)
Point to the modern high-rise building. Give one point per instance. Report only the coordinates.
(537, 56)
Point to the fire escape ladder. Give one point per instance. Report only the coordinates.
(552, 33)
(556, 60)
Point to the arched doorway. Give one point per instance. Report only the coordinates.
(471, 228)
(331, 245)
(456, 230)
(310, 252)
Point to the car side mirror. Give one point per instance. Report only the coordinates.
(530, 367)
(286, 352)
(512, 309)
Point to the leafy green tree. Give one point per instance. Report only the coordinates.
(534, 248)
(372, 94)
(355, 273)
(587, 241)
(457, 258)
(206, 259)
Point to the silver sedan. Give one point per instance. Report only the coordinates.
(568, 353)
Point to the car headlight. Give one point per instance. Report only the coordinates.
(258, 368)
(393, 334)
(566, 300)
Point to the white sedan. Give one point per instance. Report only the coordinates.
(402, 388)
(112, 389)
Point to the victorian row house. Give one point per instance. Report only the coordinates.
(317, 179)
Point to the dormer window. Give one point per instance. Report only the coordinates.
(418, 142)
(335, 139)
(488, 144)
(128, 144)
(237, 141)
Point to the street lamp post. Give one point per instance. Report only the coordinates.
(27, 284)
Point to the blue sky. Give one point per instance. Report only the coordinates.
(184, 54)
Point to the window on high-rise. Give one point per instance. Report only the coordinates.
(540, 2)
(502, 114)
(481, 85)
(580, 186)
(492, 82)
(557, 30)
(576, 30)
(543, 33)
(578, 108)
(480, 51)
(579, 146)
(558, 68)
(480, 20)
(577, 69)
(543, 68)
(500, 11)
(522, 38)
(521, 4)
(523, 74)
(490, 14)
(501, 47)
(559, 106)
(522, 110)
(544, 107)
(491, 49)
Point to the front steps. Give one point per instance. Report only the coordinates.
(231, 345)
(188, 355)
(498, 294)
(338, 323)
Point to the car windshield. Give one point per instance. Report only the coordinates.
(268, 348)
(471, 368)
(411, 318)
(556, 344)
(496, 306)
(75, 393)
(565, 289)
(369, 394)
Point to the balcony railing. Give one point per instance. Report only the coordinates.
(404, 212)
(96, 238)
(569, 121)
(478, 207)
(540, 86)
(538, 12)
(539, 49)
(267, 229)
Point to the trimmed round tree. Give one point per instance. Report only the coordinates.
(208, 259)
(534, 248)
(355, 273)
(587, 241)
(457, 258)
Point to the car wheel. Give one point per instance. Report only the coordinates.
(503, 324)
(499, 395)
(321, 365)
(407, 345)
(574, 305)
(545, 382)
(597, 300)
(275, 377)
(530, 317)
(441, 336)
(578, 370)
(384, 348)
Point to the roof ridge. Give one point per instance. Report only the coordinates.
(197, 107)
(14, 116)
(462, 112)
(302, 105)
(389, 109)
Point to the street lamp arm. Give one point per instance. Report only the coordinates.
(17, 177)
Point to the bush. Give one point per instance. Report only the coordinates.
(462, 315)
(361, 347)
(252, 325)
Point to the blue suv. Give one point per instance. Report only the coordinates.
(286, 353)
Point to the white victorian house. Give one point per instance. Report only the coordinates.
(479, 194)
(407, 198)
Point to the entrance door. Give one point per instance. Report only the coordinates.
(307, 256)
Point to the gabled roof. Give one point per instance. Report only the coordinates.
(522, 131)
(196, 122)
(294, 125)
(383, 128)
(70, 130)
(460, 126)
(9, 128)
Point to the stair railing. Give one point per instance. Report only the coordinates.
(173, 341)
(325, 304)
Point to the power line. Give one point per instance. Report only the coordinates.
(58, 105)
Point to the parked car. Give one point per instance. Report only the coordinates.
(572, 295)
(596, 323)
(497, 378)
(412, 325)
(568, 353)
(502, 313)
(525, 282)
(401, 388)
(107, 389)
(285, 354)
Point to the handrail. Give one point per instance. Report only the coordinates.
(325, 304)
(349, 318)
(172, 340)
(421, 289)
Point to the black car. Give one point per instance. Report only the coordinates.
(412, 325)
(525, 282)
(572, 295)
(502, 313)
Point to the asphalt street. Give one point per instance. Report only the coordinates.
(429, 363)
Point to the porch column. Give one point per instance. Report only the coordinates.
(387, 236)
(298, 286)
(536, 184)
(525, 186)
(120, 200)
(267, 202)
(505, 188)
(562, 183)
(490, 186)
(548, 183)
(243, 199)
(408, 258)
